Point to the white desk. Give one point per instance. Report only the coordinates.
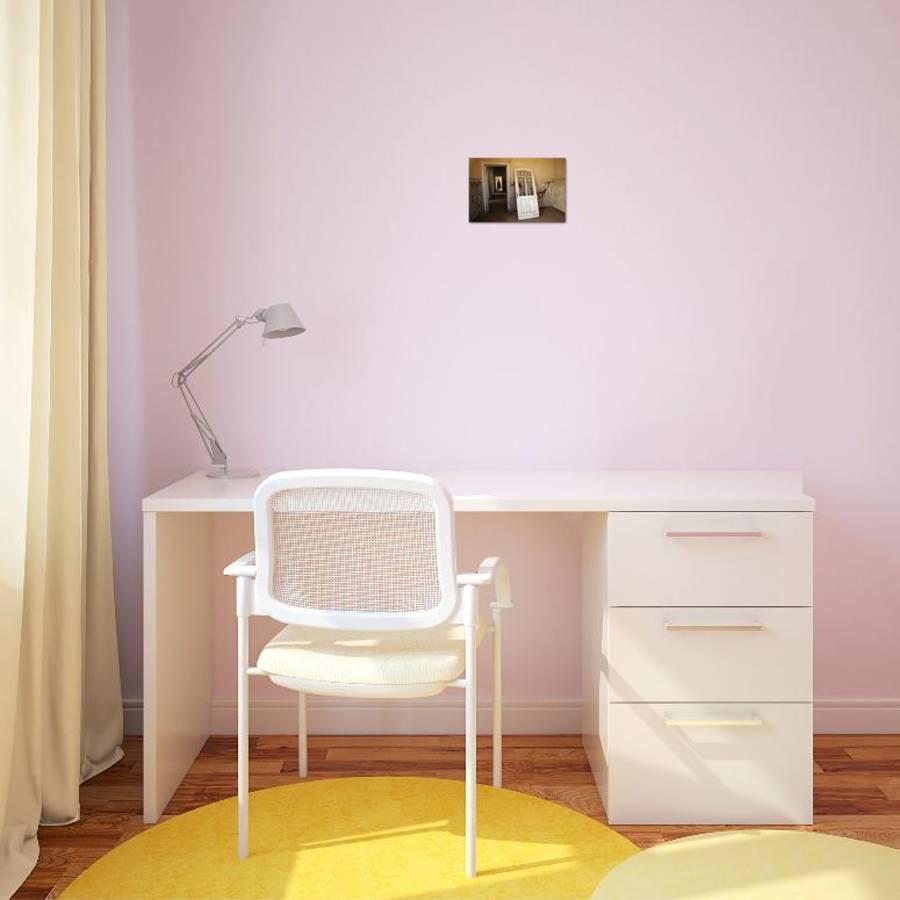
(179, 573)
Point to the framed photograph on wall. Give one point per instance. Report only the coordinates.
(517, 190)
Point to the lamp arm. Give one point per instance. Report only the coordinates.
(211, 347)
(217, 455)
(180, 380)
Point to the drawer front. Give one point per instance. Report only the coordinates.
(709, 559)
(710, 764)
(717, 655)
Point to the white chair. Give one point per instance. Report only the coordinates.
(360, 565)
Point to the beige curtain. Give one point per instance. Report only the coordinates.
(60, 703)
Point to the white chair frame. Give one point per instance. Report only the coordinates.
(459, 604)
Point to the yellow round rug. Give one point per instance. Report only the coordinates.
(757, 865)
(363, 837)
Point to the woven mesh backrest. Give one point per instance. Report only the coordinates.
(354, 550)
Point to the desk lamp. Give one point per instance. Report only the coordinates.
(279, 321)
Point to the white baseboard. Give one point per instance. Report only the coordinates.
(857, 716)
(133, 716)
(443, 716)
(334, 716)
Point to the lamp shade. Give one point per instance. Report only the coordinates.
(281, 321)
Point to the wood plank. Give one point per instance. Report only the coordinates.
(880, 754)
(890, 787)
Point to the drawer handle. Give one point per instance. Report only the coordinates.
(735, 626)
(751, 722)
(712, 534)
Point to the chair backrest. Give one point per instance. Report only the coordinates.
(354, 549)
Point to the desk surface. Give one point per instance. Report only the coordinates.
(545, 491)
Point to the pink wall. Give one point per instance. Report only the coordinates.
(725, 293)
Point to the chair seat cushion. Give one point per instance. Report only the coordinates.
(334, 656)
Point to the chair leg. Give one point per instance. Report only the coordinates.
(302, 757)
(471, 738)
(497, 741)
(243, 738)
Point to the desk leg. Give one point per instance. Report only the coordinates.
(177, 588)
(594, 650)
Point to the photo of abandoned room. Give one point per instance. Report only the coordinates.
(517, 190)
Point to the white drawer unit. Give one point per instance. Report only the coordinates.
(724, 654)
(710, 559)
(697, 662)
(709, 764)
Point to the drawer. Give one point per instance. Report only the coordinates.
(709, 654)
(710, 764)
(709, 559)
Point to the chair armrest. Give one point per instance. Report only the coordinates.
(245, 566)
(491, 571)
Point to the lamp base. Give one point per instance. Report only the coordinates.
(223, 472)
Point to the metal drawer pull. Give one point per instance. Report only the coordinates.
(736, 626)
(752, 722)
(710, 534)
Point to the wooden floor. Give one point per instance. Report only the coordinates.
(501, 214)
(857, 787)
